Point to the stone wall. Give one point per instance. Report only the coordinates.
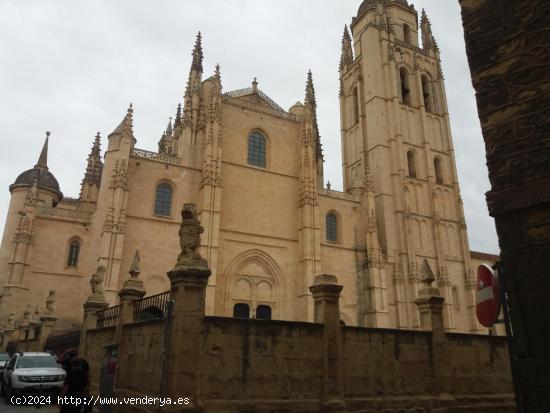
(140, 351)
(229, 365)
(96, 340)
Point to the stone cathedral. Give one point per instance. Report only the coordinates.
(255, 172)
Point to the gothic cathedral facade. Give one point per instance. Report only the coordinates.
(255, 172)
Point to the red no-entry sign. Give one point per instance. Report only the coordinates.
(488, 296)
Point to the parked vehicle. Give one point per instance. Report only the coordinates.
(32, 373)
(4, 358)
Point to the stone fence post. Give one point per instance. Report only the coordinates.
(326, 296)
(47, 326)
(90, 321)
(188, 281)
(430, 307)
(131, 292)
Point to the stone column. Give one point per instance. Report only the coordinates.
(47, 326)
(326, 297)
(430, 308)
(131, 292)
(96, 302)
(90, 321)
(188, 281)
(8, 334)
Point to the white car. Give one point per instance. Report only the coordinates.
(32, 373)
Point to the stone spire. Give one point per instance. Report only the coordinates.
(192, 99)
(177, 120)
(310, 104)
(169, 128)
(346, 58)
(428, 40)
(197, 54)
(94, 166)
(126, 126)
(43, 158)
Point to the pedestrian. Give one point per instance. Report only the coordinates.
(65, 358)
(77, 385)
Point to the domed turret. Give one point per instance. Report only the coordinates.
(40, 174)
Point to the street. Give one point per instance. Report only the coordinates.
(6, 408)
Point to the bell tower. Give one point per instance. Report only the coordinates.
(395, 124)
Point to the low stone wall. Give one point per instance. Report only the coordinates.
(252, 359)
(96, 341)
(229, 365)
(140, 357)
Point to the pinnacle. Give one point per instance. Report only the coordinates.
(43, 158)
(169, 127)
(197, 54)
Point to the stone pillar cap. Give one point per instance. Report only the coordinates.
(324, 279)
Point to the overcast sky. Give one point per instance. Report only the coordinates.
(72, 67)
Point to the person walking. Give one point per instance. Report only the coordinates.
(77, 385)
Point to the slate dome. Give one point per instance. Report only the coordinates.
(45, 178)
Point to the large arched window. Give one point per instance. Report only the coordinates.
(331, 224)
(355, 103)
(74, 252)
(438, 172)
(263, 312)
(241, 310)
(404, 84)
(427, 93)
(256, 150)
(163, 199)
(406, 33)
(411, 163)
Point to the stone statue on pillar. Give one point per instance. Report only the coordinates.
(96, 282)
(50, 302)
(190, 240)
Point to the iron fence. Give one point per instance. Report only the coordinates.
(151, 308)
(108, 317)
(60, 341)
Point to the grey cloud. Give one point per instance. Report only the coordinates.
(72, 67)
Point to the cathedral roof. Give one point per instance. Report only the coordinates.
(250, 91)
(39, 174)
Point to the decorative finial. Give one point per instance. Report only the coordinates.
(255, 85)
(134, 268)
(426, 274)
(328, 185)
(48, 133)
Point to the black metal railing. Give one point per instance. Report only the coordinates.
(60, 341)
(151, 308)
(108, 317)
